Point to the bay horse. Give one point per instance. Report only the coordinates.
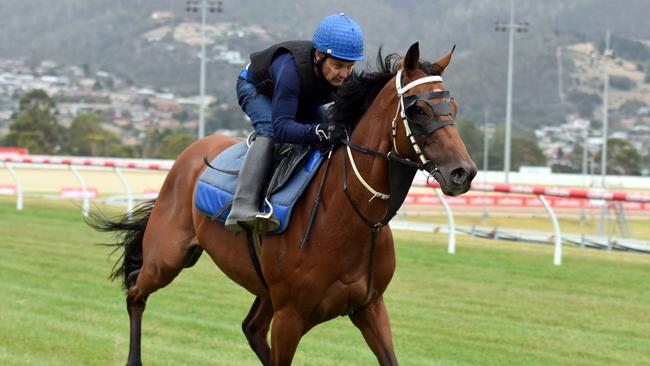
(348, 259)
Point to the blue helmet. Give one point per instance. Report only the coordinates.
(339, 36)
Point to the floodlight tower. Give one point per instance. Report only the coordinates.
(193, 6)
(512, 27)
(608, 54)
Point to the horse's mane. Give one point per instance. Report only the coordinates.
(353, 98)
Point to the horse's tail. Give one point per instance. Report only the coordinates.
(129, 232)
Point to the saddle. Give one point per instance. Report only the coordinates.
(294, 168)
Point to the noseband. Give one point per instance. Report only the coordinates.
(409, 102)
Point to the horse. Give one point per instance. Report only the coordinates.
(402, 119)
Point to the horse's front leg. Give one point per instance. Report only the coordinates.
(256, 328)
(373, 322)
(286, 330)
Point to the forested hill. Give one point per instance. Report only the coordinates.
(117, 37)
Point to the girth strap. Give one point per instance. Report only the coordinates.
(254, 252)
(371, 260)
(316, 203)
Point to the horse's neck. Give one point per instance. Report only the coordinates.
(373, 131)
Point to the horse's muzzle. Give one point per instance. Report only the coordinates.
(459, 176)
(459, 180)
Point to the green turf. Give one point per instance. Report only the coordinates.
(490, 304)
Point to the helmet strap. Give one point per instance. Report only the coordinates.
(319, 62)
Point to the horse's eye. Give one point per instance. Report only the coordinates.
(420, 111)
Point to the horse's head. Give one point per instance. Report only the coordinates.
(428, 112)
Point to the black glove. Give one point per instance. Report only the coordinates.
(330, 132)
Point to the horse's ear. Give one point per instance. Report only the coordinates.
(440, 65)
(412, 58)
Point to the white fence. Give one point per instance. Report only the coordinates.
(118, 165)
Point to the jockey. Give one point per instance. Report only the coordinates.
(283, 90)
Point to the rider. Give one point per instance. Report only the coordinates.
(283, 90)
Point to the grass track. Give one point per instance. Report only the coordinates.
(490, 304)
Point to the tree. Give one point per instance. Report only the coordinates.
(576, 157)
(173, 143)
(473, 139)
(573, 162)
(622, 158)
(523, 151)
(35, 126)
(622, 83)
(584, 103)
(645, 163)
(97, 86)
(109, 83)
(87, 137)
(627, 48)
(182, 115)
(630, 106)
(86, 69)
(223, 116)
(150, 142)
(36, 98)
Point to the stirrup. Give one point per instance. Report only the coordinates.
(264, 220)
(268, 215)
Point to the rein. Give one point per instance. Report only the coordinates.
(398, 187)
(400, 174)
(401, 171)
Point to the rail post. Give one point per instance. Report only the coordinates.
(127, 189)
(19, 186)
(84, 190)
(451, 245)
(557, 255)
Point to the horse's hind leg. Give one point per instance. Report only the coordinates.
(373, 322)
(256, 328)
(135, 308)
(166, 250)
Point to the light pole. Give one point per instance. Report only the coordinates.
(204, 6)
(511, 27)
(485, 162)
(585, 133)
(607, 54)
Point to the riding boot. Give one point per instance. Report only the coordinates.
(245, 211)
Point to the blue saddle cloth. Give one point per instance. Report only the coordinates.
(215, 188)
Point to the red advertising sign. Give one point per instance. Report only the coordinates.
(150, 194)
(7, 190)
(512, 200)
(78, 193)
(13, 151)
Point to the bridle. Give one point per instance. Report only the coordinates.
(405, 103)
(400, 170)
